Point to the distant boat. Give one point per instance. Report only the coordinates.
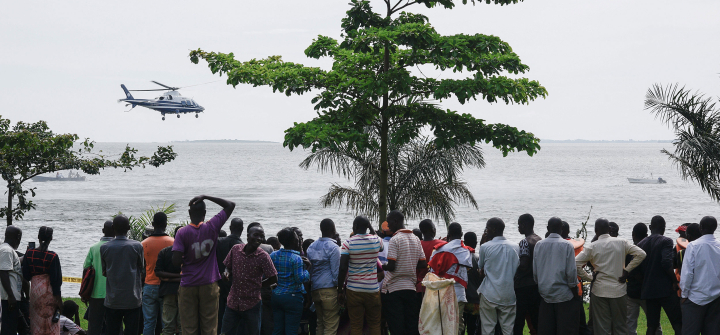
(59, 177)
(646, 181)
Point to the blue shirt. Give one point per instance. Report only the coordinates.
(324, 255)
(290, 271)
(499, 258)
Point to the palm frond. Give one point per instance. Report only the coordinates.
(354, 200)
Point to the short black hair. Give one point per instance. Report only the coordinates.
(306, 244)
(708, 224)
(640, 229)
(526, 220)
(693, 231)
(160, 219)
(286, 236)
(455, 230)
(497, 224)
(198, 207)
(555, 225)
(395, 216)
(470, 238)
(327, 225)
(236, 226)
(658, 222)
(426, 225)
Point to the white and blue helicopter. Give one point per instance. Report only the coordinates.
(170, 102)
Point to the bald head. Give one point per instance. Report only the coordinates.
(602, 226)
(555, 225)
(13, 235)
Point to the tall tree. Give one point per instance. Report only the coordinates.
(31, 149)
(695, 119)
(371, 83)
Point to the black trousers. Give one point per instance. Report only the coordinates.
(670, 304)
(222, 304)
(559, 318)
(402, 312)
(9, 319)
(471, 323)
(116, 318)
(698, 319)
(528, 302)
(96, 316)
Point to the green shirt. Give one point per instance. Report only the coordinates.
(93, 259)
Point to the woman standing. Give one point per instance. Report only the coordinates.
(42, 268)
(292, 272)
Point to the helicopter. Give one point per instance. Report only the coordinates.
(170, 102)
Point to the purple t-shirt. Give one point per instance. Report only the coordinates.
(198, 245)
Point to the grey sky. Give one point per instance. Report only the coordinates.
(63, 62)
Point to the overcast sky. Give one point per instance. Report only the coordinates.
(64, 61)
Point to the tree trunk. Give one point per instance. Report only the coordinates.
(9, 206)
(384, 129)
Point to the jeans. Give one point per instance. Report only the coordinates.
(242, 322)
(116, 318)
(287, 312)
(402, 312)
(151, 306)
(170, 316)
(9, 319)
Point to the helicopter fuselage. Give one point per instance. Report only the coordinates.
(170, 102)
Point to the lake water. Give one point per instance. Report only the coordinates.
(563, 179)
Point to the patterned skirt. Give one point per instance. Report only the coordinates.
(42, 307)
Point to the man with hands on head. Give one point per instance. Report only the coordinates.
(608, 297)
(195, 248)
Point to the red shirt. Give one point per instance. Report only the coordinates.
(428, 247)
(247, 272)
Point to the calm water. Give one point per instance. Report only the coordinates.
(268, 186)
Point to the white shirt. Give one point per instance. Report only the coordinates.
(67, 327)
(607, 256)
(554, 269)
(499, 259)
(700, 276)
(9, 261)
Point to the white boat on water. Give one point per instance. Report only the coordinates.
(646, 181)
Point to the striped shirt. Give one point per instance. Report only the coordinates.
(362, 271)
(405, 249)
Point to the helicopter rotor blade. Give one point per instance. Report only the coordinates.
(168, 87)
(159, 89)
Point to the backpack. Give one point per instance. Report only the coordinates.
(88, 284)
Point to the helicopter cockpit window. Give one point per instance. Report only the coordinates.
(161, 98)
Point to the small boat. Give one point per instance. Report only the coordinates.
(646, 181)
(59, 177)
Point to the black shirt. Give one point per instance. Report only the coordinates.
(634, 281)
(223, 249)
(473, 283)
(656, 266)
(164, 264)
(524, 277)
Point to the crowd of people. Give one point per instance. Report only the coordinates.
(371, 282)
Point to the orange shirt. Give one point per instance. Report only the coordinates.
(151, 248)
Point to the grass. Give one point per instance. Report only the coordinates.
(642, 323)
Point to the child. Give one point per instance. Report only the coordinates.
(67, 326)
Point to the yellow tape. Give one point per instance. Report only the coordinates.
(72, 280)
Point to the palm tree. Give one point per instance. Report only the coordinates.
(423, 179)
(696, 121)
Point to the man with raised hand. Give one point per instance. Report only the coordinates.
(96, 305)
(659, 287)
(608, 297)
(324, 255)
(152, 301)
(195, 248)
(358, 261)
(555, 273)
(246, 266)
(11, 279)
(451, 260)
(498, 262)
(405, 257)
(123, 266)
(700, 282)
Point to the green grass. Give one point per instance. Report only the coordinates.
(642, 323)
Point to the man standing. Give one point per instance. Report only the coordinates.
(96, 308)
(195, 248)
(634, 285)
(11, 280)
(152, 301)
(526, 290)
(428, 243)
(451, 260)
(246, 266)
(700, 282)
(324, 255)
(358, 261)
(122, 265)
(470, 314)
(608, 297)
(169, 275)
(498, 261)
(555, 273)
(659, 287)
(405, 257)
(223, 249)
